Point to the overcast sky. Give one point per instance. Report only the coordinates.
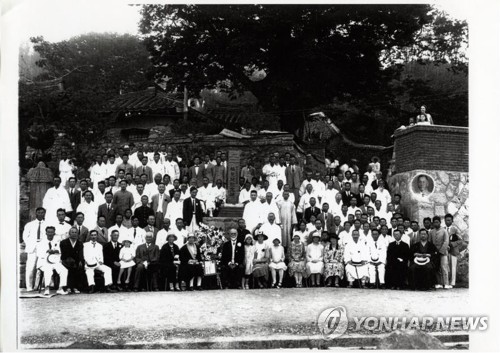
(58, 20)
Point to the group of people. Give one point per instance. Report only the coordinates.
(132, 228)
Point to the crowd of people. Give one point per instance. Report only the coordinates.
(137, 224)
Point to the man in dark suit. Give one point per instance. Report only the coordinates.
(347, 194)
(144, 169)
(144, 211)
(293, 174)
(197, 171)
(72, 259)
(326, 219)
(73, 191)
(192, 211)
(147, 259)
(360, 196)
(159, 203)
(107, 210)
(337, 227)
(111, 254)
(242, 230)
(312, 210)
(102, 231)
(396, 268)
(177, 187)
(233, 254)
(150, 227)
(82, 231)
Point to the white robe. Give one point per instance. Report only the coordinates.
(252, 214)
(53, 200)
(89, 210)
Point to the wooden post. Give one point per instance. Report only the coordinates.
(185, 108)
(233, 176)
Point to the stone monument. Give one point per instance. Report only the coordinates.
(40, 179)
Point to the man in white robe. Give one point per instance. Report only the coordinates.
(252, 212)
(288, 217)
(174, 208)
(356, 258)
(377, 248)
(272, 171)
(89, 209)
(271, 229)
(269, 206)
(56, 197)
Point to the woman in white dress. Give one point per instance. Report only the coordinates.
(423, 118)
(314, 255)
(249, 255)
(277, 262)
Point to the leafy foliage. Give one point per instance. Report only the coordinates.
(75, 77)
(296, 58)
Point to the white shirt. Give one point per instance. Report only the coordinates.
(356, 251)
(53, 200)
(98, 173)
(140, 236)
(384, 196)
(272, 174)
(273, 231)
(90, 211)
(352, 210)
(161, 237)
(218, 193)
(158, 168)
(30, 233)
(42, 248)
(172, 169)
(61, 231)
(92, 253)
(181, 236)
(304, 201)
(244, 195)
(122, 230)
(377, 253)
(174, 210)
(302, 189)
(111, 168)
(252, 214)
(266, 208)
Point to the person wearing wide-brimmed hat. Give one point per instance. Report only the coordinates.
(126, 256)
(261, 259)
(314, 256)
(191, 268)
(277, 257)
(333, 259)
(169, 262)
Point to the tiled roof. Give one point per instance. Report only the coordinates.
(146, 100)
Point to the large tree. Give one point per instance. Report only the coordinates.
(74, 78)
(308, 54)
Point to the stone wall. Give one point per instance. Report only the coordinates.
(450, 195)
(257, 147)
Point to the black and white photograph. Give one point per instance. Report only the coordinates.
(249, 175)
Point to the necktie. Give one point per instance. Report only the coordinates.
(293, 169)
(194, 206)
(50, 245)
(135, 232)
(61, 222)
(79, 229)
(71, 192)
(38, 231)
(108, 206)
(93, 244)
(375, 244)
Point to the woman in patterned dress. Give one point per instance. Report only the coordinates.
(333, 259)
(260, 269)
(297, 257)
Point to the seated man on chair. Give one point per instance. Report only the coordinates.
(147, 258)
(232, 259)
(72, 259)
(94, 261)
(49, 259)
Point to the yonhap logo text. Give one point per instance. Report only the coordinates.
(332, 322)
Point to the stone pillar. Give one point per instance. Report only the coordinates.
(233, 176)
(40, 179)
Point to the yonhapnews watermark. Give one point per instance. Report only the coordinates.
(333, 323)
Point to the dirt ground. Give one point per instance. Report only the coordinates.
(122, 318)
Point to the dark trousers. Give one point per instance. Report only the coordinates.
(232, 276)
(159, 217)
(76, 277)
(115, 271)
(142, 274)
(395, 274)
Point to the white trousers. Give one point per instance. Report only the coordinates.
(453, 268)
(61, 271)
(372, 271)
(31, 271)
(356, 272)
(89, 272)
(193, 226)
